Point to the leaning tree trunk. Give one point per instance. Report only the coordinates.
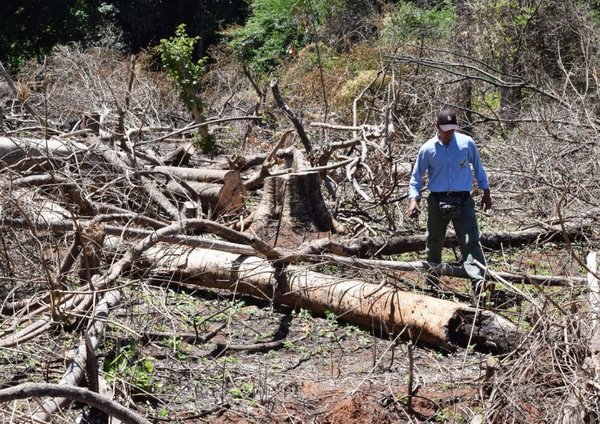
(425, 319)
(292, 210)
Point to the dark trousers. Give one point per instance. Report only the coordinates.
(467, 233)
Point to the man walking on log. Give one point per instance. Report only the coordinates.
(450, 159)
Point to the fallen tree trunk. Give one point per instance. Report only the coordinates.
(377, 246)
(206, 175)
(430, 321)
(313, 252)
(26, 154)
(76, 368)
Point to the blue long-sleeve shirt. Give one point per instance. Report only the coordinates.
(448, 166)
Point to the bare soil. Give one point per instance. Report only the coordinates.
(322, 370)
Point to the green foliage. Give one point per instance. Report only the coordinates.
(277, 28)
(409, 22)
(32, 28)
(269, 32)
(126, 364)
(245, 391)
(176, 54)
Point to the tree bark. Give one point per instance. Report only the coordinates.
(206, 175)
(437, 322)
(292, 117)
(225, 194)
(292, 210)
(377, 246)
(96, 400)
(28, 154)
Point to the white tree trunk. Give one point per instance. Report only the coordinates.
(424, 319)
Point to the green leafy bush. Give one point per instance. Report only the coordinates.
(177, 56)
(270, 31)
(409, 22)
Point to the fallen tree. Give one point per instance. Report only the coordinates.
(424, 319)
(365, 247)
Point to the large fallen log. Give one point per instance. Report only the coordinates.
(427, 320)
(316, 251)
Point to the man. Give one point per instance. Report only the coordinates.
(450, 159)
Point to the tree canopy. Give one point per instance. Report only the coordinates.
(30, 28)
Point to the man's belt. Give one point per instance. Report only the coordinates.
(451, 193)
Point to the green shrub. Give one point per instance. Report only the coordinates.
(177, 56)
(269, 32)
(408, 22)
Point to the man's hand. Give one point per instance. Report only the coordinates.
(413, 209)
(486, 200)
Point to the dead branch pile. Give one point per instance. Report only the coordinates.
(95, 200)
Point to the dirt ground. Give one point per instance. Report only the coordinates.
(182, 354)
(262, 364)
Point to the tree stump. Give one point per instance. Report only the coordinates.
(292, 210)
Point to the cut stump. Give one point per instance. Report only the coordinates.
(292, 210)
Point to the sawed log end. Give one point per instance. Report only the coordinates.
(486, 331)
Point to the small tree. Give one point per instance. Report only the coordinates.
(176, 55)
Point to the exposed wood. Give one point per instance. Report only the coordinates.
(27, 154)
(285, 256)
(225, 197)
(92, 239)
(292, 210)
(206, 175)
(257, 179)
(180, 156)
(437, 322)
(316, 251)
(376, 246)
(292, 117)
(594, 299)
(79, 363)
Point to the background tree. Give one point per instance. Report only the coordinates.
(146, 22)
(31, 28)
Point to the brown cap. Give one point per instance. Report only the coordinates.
(446, 119)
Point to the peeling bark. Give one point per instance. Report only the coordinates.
(436, 322)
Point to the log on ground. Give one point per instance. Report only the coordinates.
(430, 321)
